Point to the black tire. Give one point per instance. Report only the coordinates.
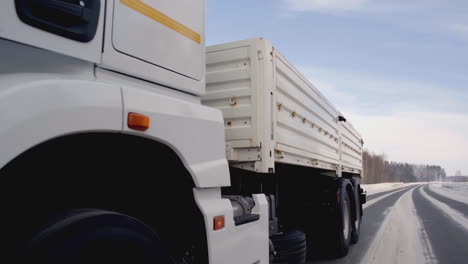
(95, 236)
(290, 247)
(343, 228)
(356, 229)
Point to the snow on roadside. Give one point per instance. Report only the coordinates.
(401, 238)
(455, 215)
(382, 187)
(457, 191)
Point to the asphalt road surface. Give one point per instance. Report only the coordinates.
(423, 223)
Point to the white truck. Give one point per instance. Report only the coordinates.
(113, 150)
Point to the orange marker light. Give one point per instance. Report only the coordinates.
(138, 122)
(218, 222)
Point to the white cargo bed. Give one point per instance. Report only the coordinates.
(273, 114)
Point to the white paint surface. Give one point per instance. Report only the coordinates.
(150, 41)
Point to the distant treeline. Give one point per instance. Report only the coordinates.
(457, 178)
(377, 169)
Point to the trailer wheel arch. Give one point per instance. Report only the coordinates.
(37, 179)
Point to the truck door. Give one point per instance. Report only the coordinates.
(70, 27)
(165, 33)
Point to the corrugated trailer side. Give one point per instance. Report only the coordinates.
(239, 83)
(352, 148)
(307, 129)
(274, 114)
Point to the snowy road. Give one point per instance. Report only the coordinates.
(425, 223)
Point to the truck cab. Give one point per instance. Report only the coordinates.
(106, 150)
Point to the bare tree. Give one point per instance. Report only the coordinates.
(377, 169)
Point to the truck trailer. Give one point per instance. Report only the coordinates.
(124, 139)
(286, 140)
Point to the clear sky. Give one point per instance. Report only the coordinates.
(397, 69)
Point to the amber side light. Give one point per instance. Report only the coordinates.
(138, 122)
(218, 222)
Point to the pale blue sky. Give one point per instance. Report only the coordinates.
(397, 68)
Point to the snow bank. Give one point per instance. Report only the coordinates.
(457, 191)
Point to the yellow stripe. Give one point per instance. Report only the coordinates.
(160, 17)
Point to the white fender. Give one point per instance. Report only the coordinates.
(34, 111)
(195, 132)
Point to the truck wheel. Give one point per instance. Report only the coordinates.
(344, 225)
(95, 236)
(290, 247)
(356, 230)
